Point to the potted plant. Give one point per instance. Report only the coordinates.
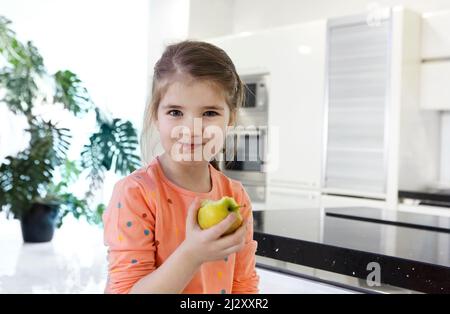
(35, 183)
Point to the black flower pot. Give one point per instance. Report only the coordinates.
(38, 223)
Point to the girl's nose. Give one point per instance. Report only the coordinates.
(195, 127)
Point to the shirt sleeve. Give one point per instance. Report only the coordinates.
(245, 279)
(129, 226)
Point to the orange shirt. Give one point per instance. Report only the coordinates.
(145, 222)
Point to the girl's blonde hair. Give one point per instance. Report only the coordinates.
(197, 60)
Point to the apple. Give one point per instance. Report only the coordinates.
(212, 212)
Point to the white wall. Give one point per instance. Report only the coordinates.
(211, 18)
(250, 15)
(168, 22)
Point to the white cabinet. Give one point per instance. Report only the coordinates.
(436, 35)
(279, 198)
(434, 89)
(287, 198)
(357, 83)
(297, 110)
(378, 138)
(445, 149)
(275, 282)
(294, 57)
(435, 93)
(435, 72)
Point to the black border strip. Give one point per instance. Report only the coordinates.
(389, 222)
(435, 204)
(425, 196)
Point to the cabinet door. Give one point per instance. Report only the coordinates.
(436, 36)
(357, 86)
(434, 91)
(445, 149)
(275, 282)
(297, 109)
(288, 198)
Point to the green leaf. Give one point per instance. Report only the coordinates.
(113, 147)
(70, 92)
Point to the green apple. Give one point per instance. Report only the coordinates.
(212, 212)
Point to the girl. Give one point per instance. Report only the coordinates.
(155, 244)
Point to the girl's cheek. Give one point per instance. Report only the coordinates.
(166, 130)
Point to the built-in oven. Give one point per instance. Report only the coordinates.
(246, 143)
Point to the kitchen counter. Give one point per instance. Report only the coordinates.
(328, 253)
(343, 246)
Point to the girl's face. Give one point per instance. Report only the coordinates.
(192, 119)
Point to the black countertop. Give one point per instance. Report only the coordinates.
(412, 251)
(435, 197)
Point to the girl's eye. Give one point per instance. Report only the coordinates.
(175, 113)
(211, 113)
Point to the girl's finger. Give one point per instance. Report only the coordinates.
(232, 239)
(218, 230)
(234, 249)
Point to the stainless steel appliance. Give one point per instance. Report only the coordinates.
(246, 144)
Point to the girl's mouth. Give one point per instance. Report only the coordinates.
(190, 146)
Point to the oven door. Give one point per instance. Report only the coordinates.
(246, 150)
(255, 96)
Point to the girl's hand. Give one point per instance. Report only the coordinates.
(208, 245)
